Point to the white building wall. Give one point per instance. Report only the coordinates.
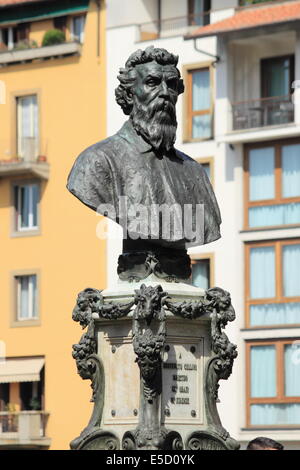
(131, 12)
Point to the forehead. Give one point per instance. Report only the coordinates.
(149, 68)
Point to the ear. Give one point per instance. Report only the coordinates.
(180, 86)
(129, 97)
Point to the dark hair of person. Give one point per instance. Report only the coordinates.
(261, 443)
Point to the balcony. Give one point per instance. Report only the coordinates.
(24, 429)
(262, 113)
(27, 163)
(42, 53)
(168, 27)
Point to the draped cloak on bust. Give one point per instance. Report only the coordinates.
(126, 165)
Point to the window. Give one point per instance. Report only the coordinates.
(199, 12)
(208, 165)
(10, 37)
(273, 283)
(273, 383)
(277, 76)
(202, 271)
(272, 184)
(27, 127)
(199, 104)
(26, 199)
(4, 396)
(26, 289)
(24, 385)
(60, 23)
(77, 28)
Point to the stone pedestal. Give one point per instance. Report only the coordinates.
(155, 352)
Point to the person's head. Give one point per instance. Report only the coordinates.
(264, 443)
(149, 87)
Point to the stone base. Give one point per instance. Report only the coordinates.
(155, 353)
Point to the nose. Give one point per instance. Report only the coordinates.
(164, 92)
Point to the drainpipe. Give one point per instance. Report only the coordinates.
(158, 17)
(206, 53)
(98, 3)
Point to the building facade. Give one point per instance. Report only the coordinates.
(53, 89)
(240, 117)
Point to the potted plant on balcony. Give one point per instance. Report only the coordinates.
(53, 37)
(25, 44)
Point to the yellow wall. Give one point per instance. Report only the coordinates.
(67, 254)
(38, 29)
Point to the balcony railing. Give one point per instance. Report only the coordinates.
(28, 158)
(23, 426)
(28, 148)
(47, 52)
(262, 112)
(172, 26)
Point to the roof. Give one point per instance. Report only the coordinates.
(251, 18)
(21, 370)
(7, 3)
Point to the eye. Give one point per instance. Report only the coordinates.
(152, 82)
(172, 83)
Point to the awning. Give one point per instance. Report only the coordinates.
(21, 370)
(40, 11)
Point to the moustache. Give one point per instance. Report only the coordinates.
(160, 104)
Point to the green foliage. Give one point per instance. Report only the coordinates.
(26, 44)
(35, 404)
(252, 2)
(53, 36)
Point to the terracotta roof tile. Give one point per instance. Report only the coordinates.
(251, 18)
(6, 3)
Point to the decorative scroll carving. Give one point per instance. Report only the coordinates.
(222, 312)
(205, 441)
(152, 439)
(148, 342)
(88, 302)
(186, 309)
(220, 366)
(165, 265)
(89, 365)
(99, 440)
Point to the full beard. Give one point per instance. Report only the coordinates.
(156, 123)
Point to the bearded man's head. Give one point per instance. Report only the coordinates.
(149, 87)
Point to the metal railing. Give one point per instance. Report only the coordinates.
(28, 148)
(25, 424)
(172, 26)
(262, 112)
(246, 3)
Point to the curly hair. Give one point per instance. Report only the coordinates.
(127, 75)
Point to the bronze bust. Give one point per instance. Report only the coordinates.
(140, 167)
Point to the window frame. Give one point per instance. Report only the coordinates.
(82, 34)
(278, 199)
(208, 161)
(205, 13)
(15, 231)
(188, 114)
(280, 382)
(279, 298)
(14, 118)
(263, 72)
(205, 256)
(15, 321)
